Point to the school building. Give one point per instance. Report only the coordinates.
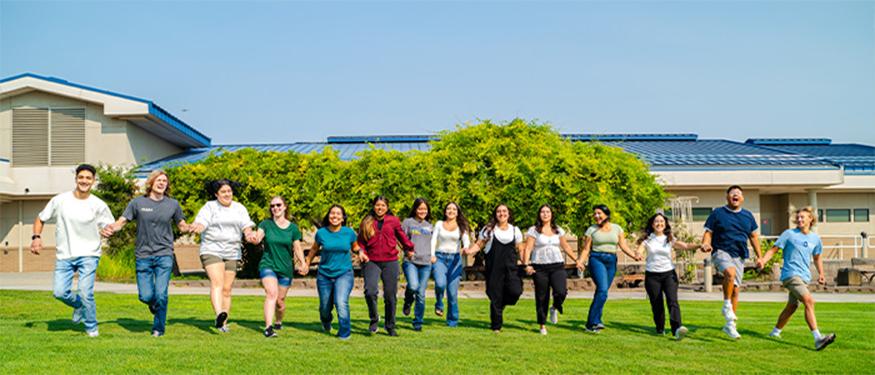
(49, 125)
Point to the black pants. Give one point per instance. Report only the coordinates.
(656, 284)
(549, 276)
(388, 273)
(504, 288)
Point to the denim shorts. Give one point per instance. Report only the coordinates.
(281, 280)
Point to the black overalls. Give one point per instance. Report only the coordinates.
(503, 283)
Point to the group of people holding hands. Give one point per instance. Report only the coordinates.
(427, 250)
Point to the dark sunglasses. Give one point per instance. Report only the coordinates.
(276, 205)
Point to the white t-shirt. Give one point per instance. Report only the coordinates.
(546, 250)
(658, 254)
(511, 234)
(79, 222)
(446, 241)
(223, 228)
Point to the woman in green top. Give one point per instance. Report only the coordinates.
(600, 252)
(281, 238)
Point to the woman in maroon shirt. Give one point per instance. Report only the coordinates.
(379, 234)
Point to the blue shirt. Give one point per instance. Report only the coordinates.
(731, 230)
(798, 249)
(336, 251)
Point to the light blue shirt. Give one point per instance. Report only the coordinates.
(798, 249)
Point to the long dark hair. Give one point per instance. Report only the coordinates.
(325, 222)
(648, 230)
(461, 220)
(493, 221)
(366, 227)
(604, 209)
(540, 224)
(416, 203)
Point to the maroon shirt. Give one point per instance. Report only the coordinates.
(383, 246)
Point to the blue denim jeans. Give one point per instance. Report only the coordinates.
(447, 275)
(62, 287)
(602, 267)
(417, 282)
(153, 278)
(334, 292)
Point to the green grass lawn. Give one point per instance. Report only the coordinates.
(38, 337)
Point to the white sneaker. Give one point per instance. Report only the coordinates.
(729, 330)
(544, 331)
(78, 315)
(729, 315)
(93, 333)
(680, 333)
(554, 315)
(775, 335)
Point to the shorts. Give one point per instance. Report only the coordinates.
(723, 261)
(797, 289)
(281, 280)
(230, 264)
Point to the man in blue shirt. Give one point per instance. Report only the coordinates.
(727, 232)
(799, 245)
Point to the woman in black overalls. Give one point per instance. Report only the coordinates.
(502, 242)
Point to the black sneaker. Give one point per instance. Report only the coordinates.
(326, 327)
(269, 332)
(373, 328)
(406, 309)
(392, 332)
(438, 312)
(417, 328)
(153, 309)
(824, 341)
(220, 319)
(277, 326)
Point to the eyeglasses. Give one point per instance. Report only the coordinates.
(276, 205)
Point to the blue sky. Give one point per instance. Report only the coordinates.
(263, 72)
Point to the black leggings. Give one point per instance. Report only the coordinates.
(388, 273)
(546, 277)
(656, 284)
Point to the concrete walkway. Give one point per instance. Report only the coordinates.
(42, 281)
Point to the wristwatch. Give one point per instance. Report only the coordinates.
(35, 236)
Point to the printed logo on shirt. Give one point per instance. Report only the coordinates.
(805, 244)
(146, 209)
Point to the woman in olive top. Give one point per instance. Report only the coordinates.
(600, 249)
(379, 235)
(417, 265)
(281, 239)
(544, 260)
(334, 279)
(502, 242)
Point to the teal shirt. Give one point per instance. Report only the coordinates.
(336, 256)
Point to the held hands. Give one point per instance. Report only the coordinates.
(433, 260)
(761, 262)
(821, 279)
(252, 238)
(581, 265)
(195, 228)
(303, 268)
(363, 258)
(706, 248)
(107, 231)
(530, 270)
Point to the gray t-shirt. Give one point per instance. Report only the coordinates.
(155, 220)
(420, 234)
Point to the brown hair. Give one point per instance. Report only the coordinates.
(151, 181)
(270, 213)
(810, 211)
(366, 227)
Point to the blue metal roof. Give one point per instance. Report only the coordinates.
(661, 151)
(193, 134)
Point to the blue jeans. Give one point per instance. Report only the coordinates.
(334, 292)
(62, 287)
(447, 275)
(602, 267)
(417, 282)
(153, 277)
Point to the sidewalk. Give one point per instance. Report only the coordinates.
(42, 281)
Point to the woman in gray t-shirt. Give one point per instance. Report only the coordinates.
(417, 264)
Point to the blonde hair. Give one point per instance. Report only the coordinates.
(810, 211)
(151, 181)
(270, 212)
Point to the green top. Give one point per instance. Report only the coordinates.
(605, 242)
(278, 255)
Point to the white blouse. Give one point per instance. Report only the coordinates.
(511, 234)
(447, 241)
(546, 249)
(658, 254)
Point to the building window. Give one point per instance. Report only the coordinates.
(701, 213)
(820, 215)
(838, 215)
(861, 215)
(48, 136)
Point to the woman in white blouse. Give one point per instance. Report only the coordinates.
(222, 223)
(450, 238)
(660, 277)
(545, 262)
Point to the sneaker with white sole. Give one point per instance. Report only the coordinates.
(544, 330)
(775, 335)
(824, 341)
(680, 333)
(224, 329)
(729, 315)
(93, 333)
(269, 332)
(78, 315)
(554, 315)
(729, 330)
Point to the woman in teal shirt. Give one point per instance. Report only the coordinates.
(281, 239)
(334, 279)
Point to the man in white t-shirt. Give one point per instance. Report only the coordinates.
(81, 220)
